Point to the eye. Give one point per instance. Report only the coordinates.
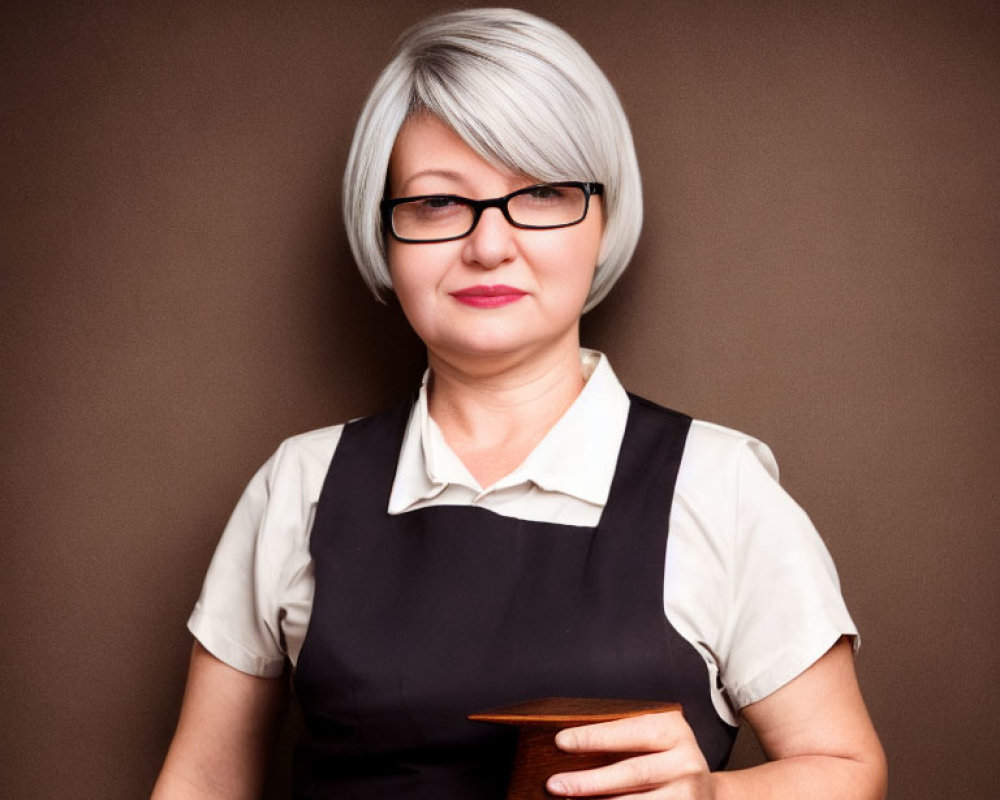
(546, 197)
(437, 206)
(544, 192)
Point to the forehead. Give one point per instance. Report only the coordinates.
(428, 153)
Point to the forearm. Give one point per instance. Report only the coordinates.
(815, 730)
(179, 782)
(818, 737)
(193, 770)
(805, 777)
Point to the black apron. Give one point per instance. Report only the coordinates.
(421, 618)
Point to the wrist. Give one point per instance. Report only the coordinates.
(721, 786)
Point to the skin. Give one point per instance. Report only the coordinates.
(502, 376)
(815, 729)
(225, 733)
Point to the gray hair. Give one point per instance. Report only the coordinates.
(525, 96)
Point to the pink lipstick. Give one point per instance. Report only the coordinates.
(488, 296)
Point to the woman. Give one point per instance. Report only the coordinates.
(522, 527)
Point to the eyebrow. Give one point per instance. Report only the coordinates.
(433, 173)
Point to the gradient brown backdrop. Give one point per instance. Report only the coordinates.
(818, 267)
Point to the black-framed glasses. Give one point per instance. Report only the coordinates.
(443, 217)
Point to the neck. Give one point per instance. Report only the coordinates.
(494, 417)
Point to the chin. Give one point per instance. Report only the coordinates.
(494, 346)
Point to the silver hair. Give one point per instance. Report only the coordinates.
(525, 96)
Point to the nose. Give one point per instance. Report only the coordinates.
(492, 242)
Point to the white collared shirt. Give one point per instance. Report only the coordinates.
(748, 582)
(567, 477)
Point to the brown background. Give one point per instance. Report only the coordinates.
(819, 267)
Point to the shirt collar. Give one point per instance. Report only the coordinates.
(577, 457)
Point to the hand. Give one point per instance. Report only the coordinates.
(668, 763)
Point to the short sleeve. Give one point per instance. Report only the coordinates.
(232, 618)
(256, 597)
(786, 609)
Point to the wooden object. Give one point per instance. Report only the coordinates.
(537, 757)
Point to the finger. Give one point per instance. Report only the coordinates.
(638, 774)
(648, 733)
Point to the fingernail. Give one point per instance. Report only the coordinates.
(558, 787)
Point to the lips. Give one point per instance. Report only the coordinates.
(488, 296)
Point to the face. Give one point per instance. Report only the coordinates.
(501, 291)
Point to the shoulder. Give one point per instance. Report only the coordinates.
(301, 462)
(307, 449)
(730, 482)
(718, 465)
(276, 504)
(711, 447)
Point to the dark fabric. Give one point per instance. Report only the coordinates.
(422, 618)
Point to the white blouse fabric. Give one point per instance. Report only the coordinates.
(748, 581)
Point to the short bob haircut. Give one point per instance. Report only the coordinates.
(526, 97)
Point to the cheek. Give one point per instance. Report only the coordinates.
(572, 261)
(409, 298)
(403, 269)
(392, 257)
(416, 275)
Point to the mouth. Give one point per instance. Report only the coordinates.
(488, 296)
